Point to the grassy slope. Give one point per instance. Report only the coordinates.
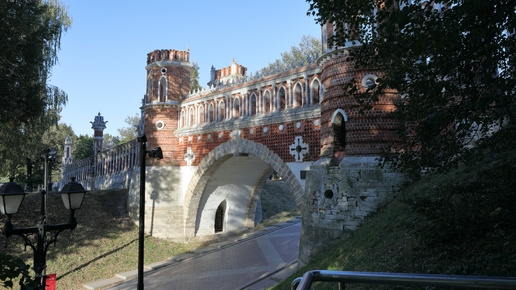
(106, 241)
(402, 238)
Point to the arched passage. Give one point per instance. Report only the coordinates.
(234, 171)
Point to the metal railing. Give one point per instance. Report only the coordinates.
(346, 277)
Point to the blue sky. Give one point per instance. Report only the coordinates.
(103, 55)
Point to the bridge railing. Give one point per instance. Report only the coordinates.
(117, 159)
(113, 161)
(81, 170)
(347, 277)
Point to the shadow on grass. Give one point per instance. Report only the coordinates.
(96, 259)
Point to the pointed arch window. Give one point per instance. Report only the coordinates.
(298, 95)
(162, 91)
(236, 107)
(252, 104)
(338, 122)
(222, 110)
(315, 91)
(211, 113)
(267, 103)
(191, 116)
(282, 96)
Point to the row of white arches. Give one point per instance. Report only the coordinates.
(254, 103)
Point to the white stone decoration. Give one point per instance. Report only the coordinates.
(220, 135)
(160, 125)
(189, 156)
(298, 149)
(209, 136)
(298, 125)
(251, 131)
(235, 134)
(181, 140)
(199, 138)
(280, 127)
(316, 123)
(189, 138)
(265, 129)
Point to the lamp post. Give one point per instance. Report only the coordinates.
(158, 154)
(39, 237)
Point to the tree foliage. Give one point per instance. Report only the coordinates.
(30, 33)
(194, 77)
(452, 62)
(83, 148)
(308, 47)
(129, 133)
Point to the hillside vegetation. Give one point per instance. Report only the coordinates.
(462, 222)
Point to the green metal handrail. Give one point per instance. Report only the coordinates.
(348, 277)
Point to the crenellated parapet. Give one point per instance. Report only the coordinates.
(168, 55)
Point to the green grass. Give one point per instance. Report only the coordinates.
(105, 241)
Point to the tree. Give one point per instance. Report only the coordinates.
(308, 47)
(83, 148)
(30, 33)
(452, 62)
(129, 133)
(194, 77)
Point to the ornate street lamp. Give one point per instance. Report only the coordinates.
(39, 237)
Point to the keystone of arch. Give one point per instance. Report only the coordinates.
(219, 155)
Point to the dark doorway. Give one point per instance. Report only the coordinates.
(219, 217)
(339, 131)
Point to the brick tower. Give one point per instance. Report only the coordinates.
(98, 125)
(344, 130)
(337, 200)
(168, 83)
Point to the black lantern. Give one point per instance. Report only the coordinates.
(11, 197)
(39, 237)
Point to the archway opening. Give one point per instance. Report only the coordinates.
(219, 217)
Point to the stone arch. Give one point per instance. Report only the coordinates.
(211, 163)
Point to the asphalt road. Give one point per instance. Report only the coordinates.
(236, 266)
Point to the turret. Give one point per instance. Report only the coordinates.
(168, 75)
(98, 125)
(168, 83)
